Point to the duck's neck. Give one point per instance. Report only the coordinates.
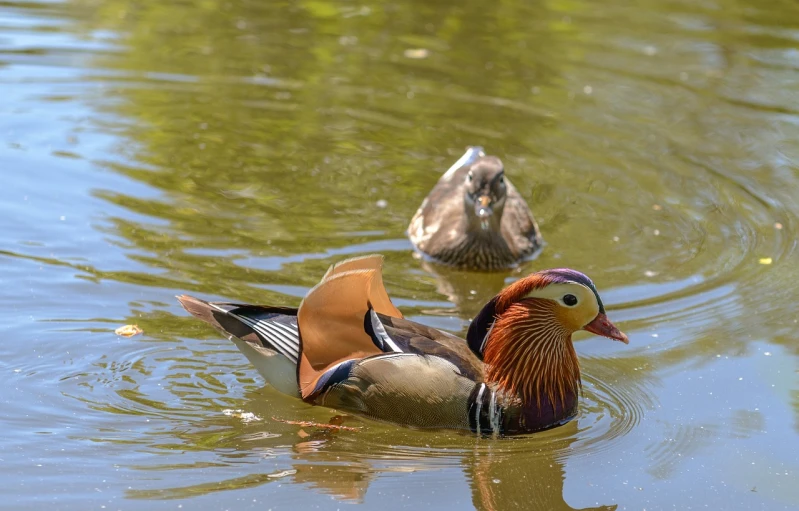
(530, 355)
(483, 229)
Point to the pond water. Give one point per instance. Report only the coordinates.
(235, 149)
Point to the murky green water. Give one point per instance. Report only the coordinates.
(235, 149)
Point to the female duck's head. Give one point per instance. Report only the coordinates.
(485, 193)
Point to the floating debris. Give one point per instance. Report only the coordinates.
(765, 260)
(261, 435)
(777, 225)
(382, 203)
(657, 207)
(241, 414)
(282, 474)
(416, 53)
(128, 330)
(309, 424)
(650, 273)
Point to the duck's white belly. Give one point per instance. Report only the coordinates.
(276, 369)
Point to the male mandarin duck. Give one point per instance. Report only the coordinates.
(348, 347)
(474, 218)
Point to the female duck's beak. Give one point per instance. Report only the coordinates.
(601, 325)
(483, 210)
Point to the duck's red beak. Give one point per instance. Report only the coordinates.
(601, 325)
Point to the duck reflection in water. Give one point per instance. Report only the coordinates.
(498, 479)
(524, 473)
(468, 291)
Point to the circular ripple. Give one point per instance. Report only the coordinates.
(607, 413)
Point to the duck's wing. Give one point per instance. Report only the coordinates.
(272, 328)
(334, 319)
(378, 297)
(411, 337)
(519, 227)
(359, 356)
(368, 262)
(396, 336)
(440, 214)
(268, 336)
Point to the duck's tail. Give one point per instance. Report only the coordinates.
(268, 336)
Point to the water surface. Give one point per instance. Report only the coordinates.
(234, 150)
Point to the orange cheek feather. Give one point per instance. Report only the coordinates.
(533, 366)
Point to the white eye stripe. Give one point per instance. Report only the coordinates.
(586, 307)
(556, 292)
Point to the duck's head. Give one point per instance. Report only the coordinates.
(524, 334)
(485, 193)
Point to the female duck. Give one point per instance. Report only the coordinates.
(347, 347)
(474, 218)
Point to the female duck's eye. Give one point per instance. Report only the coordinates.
(469, 177)
(570, 300)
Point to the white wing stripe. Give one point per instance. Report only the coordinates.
(380, 331)
(283, 348)
(285, 328)
(493, 413)
(279, 340)
(479, 402)
(292, 341)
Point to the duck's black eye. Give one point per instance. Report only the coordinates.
(469, 176)
(570, 300)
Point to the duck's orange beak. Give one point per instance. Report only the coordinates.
(482, 207)
(601, 325)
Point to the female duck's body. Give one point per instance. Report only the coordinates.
(475, 218)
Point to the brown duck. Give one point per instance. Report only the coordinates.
(474, 218)
(348, 347)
